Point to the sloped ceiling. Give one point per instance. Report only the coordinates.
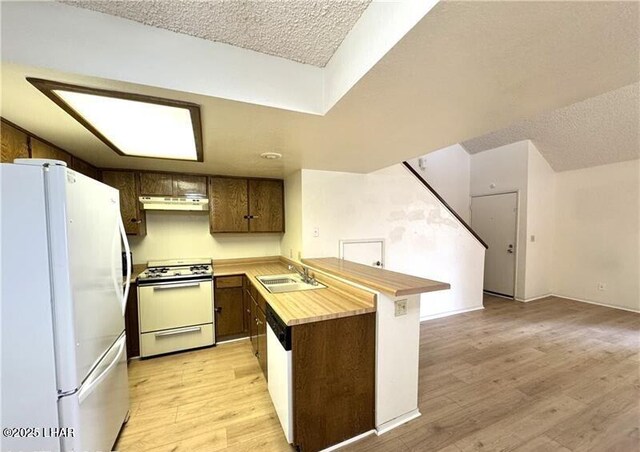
(602, 129)
(306, 31)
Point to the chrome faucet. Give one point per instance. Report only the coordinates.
(304, 274)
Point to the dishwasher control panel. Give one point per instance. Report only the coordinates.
(280, 329)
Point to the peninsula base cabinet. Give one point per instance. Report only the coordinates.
(332, 380)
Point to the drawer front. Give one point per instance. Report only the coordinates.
(224, 282)
(174, 306)
(175, 340)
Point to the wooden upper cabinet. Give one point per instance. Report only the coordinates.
(185, 185)
(83, 167)
(167, 184)
(246, 205)
(132, 216)
(14, 144)
(40, 150)
(266, 205)
(228, 205)
(156, 184)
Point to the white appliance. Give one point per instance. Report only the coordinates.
(168, 203)
(279, 371)
(175, 306)
(64, 368)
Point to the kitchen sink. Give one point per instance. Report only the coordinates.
(289, 282)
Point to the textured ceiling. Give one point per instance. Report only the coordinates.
(600, 130)
(466, 69)
(306, 31)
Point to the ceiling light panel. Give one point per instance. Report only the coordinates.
(137, 128)
(132, 124)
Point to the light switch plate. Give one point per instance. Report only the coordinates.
(401, 307)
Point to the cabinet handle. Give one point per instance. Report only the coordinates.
(218, 309)
(135, 220)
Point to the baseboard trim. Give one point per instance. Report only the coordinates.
(397, 422)
(448, 313)
(597, 303)
(539, 297)
(348, 441)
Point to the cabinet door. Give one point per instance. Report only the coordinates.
(261, 331)
(253, 326)
(156, 184)
(14, 144)
(132, 215)
(228, 205)
(266, 205)
(131, 323)
(246, 306)
(184, 185)
(229, 313)
(40, 150)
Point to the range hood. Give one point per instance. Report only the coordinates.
(165, 203)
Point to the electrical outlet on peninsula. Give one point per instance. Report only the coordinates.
(401, 307)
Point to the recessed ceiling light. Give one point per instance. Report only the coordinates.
(271, 155)
(132, 124)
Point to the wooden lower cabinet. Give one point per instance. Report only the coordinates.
(261, 335)
(333, 371)
(256, 323)
(131, 325)
(229, 308)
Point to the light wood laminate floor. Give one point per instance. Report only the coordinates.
(547, 375)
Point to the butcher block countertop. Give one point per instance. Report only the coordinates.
(295, 308)
(388, 282)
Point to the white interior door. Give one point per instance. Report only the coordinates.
(495, 219)
(365, 251)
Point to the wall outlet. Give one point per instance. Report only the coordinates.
(401, 307)
(316, 231)
(602, 286)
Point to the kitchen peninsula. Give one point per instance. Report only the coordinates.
(344, 357)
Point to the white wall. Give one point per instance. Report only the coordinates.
(422, 237)
(448, 171)
(172, 235)
(500, 170)
(291, 244)
(597, 234)
(540, 225)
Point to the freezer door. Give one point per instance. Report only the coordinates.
(86, 263)
(97, 411)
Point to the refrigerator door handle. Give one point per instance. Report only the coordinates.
(127, 250)
(89, 386)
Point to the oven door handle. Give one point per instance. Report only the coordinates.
(176, 286)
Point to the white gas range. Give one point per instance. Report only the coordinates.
(175, 306)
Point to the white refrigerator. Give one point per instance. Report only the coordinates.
(64, 368)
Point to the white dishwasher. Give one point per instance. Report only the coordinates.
(279, 370)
